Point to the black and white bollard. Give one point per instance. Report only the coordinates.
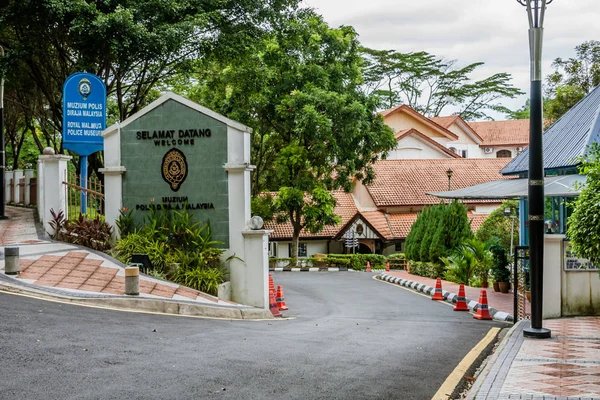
(132, 281)
(11, 261)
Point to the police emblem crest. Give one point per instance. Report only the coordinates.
(85, 88)
(174, 168)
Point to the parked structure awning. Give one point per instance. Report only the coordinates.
(554, 186)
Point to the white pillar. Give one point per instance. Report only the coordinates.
(53, 193)
(28, 176)
(255, 274)
(40, 189)
(113, 195)
(8, 175)
(17, 175)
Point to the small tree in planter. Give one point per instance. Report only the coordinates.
(500, 273)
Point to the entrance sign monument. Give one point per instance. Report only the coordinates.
(179, 155)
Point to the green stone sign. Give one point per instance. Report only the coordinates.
(173, 157)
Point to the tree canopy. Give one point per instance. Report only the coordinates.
(433, 86)
(314, 129)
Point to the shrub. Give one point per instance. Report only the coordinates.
(125, 222)
(397, 256)
(496, 225)
(426, 269)
(203, 279)
(93, 233)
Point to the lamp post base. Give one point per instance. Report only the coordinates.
(541, 333)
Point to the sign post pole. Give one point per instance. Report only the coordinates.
(83, 183)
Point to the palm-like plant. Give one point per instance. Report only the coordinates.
(482, 257)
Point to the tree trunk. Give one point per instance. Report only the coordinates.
(295, 244)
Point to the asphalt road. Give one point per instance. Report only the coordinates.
(351, 338)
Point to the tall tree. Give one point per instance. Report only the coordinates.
(431, 85)
(133, 45)
(299, 89)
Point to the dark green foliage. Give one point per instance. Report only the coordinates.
(427, 269)
(415, 236)
(93, 233)
(500, 272)
(125, 222)
(358, 262)
(434, 220)
(437, 231)
(496, 225)
(584, 222)
(437, 248)
(179, 248)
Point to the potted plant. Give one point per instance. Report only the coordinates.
(500, 273)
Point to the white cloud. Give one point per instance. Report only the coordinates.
(492, 31)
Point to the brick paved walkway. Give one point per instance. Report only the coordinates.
(75, 271)
(566, 366)
(499, 301)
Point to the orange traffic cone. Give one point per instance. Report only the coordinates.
(271, 285)
(482, 311)
(368, 266)
(273, 305)
(280, 299)
(461, 303)
(387, 267)
(437, 295)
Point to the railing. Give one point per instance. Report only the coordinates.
(521, 283)
(92, 196)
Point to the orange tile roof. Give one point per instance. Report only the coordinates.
(445, 121)
(401, 223)
(344, 207)
(379, 221)
(406, 182)
(413, 131)
(503, 133)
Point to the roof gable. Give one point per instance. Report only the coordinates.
(567, 139)
(442, 131)
(182, 100)
(426, 140)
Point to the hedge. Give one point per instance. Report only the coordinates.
(427, 269)
(358, 262)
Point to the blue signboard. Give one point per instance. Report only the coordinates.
(84, 113)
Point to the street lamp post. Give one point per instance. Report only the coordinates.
(449, 173)
(536, 10)
(2, 146)
(508, 213)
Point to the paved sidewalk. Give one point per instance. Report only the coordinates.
(566, 366)
(499, 301)
(64, 269)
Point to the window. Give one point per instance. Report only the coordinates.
(302, 249)
(399, 247)
(504, 154)
(272, 249)
(463, 153)
(453, 149)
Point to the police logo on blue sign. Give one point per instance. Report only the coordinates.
(85, 88)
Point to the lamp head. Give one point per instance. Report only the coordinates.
(507, 211)
(449, 173)
(256, 223)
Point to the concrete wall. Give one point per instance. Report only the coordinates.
(313, 247)
(411, 147)
(400, 121)
(567, 292)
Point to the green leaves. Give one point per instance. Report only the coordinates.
(430, 84)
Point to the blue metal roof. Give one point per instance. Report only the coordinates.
(567, 139)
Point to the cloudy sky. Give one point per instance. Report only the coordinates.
(492, 31)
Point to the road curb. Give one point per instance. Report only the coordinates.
(448, 297)
(490, 363)
(309, 269)
(147, 305)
